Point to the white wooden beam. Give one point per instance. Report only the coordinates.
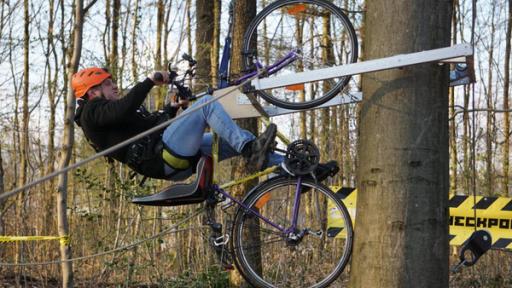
(448, 54)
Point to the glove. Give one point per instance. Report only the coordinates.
(162, 77)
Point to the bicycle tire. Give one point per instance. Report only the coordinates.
(347, 46)
(314, 261)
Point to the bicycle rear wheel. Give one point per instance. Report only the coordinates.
(267, 258)
(323, 34)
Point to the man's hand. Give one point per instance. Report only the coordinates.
(162, 77)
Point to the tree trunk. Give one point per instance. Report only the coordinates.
(114, 41)
(327, 57)
(2, 202)
(189, 37)
(402, 224)
(52, 88)
(67, 145)
(489, 137)
(25, 120)
(299, 35)
(24, 146)
(217, 9)
(106, 33)
(452, 123)
(311, 113)
(506, 87)
(466, 143)
(243, 13)
(167, 30)
(135, 25)
(159, 91)
(204, 42)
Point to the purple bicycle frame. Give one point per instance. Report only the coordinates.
(286, 60)
(295, 213)
(289, 58)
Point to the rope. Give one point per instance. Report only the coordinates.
(171, 229)
(64, 240)
(127, 141)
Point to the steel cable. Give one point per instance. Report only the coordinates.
(169, 230)
(127, 141)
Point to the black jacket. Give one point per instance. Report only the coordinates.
(106, 123)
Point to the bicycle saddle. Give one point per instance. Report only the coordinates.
(182, 194)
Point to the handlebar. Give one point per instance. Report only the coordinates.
(183, 91)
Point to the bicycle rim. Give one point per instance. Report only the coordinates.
(268, 259)
(320, 30)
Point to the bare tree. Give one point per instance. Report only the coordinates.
(68, 140)
(403, 152)
(243, 13)
(24, 145)
(453, 126)
(204, 41)
(160, 94)
(114, 41)
(135, 25)
(490, 133)
(217, 7)
(506, 87)
(2, 202)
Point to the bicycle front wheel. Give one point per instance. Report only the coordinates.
(322, 33)
(313, 255)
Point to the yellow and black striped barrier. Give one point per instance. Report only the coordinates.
(493, 214)
(64, 240)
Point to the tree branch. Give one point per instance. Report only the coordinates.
(479, 110)
(89, 6)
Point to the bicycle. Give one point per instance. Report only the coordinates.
(279, 235)
(287, 213)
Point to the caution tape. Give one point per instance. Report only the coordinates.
(493, 214)
(64, 240)
(335, 221)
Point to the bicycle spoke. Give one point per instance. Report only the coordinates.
(267, 241)
(301, 258)
(320, 30)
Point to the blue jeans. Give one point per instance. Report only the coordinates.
(186, 135)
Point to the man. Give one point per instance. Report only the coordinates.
(106, 119)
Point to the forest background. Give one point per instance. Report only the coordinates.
(38, 53)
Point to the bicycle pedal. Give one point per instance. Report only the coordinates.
(221, 241)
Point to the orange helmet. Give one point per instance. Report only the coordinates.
(87, 78)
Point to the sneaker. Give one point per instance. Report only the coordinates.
(256, 152)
